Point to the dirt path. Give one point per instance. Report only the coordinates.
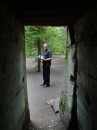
(41, 114)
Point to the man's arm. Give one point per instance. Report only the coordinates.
(48, 59)
(50, 56)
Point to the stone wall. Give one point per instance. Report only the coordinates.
(12, 74)
(86, 39)
(66, 98)
(85, 33)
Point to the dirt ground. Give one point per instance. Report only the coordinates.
(42, 115)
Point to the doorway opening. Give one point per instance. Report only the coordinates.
(44, 102)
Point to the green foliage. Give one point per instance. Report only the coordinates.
(55, 36)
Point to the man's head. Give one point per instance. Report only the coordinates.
(45, 46)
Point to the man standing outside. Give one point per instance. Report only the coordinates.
(47, 57)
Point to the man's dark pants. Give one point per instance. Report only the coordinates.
(46, 74)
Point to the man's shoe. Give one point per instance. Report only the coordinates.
(46, 85)
(42, 84)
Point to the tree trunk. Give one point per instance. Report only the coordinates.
(39, 53)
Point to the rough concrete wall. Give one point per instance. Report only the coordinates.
(86, 39)
(66, 98)
(12, 75)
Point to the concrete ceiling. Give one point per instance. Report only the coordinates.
(48, 12)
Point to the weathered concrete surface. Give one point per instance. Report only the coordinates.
(12, 75)
(85, 33)
(66, 98)
(42, 115)
(86, 39)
